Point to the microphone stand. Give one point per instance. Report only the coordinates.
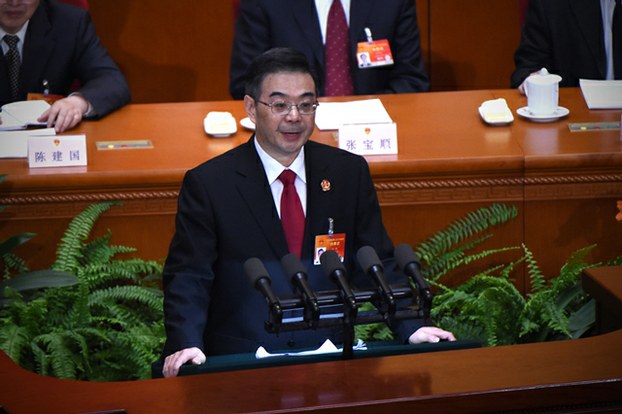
(350, 299)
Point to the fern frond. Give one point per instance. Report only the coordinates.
(129, 294)
(61, 358)
(14, 339)
(69, 252)
(538, 281)
(462, 229)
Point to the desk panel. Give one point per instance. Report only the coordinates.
(449, 163)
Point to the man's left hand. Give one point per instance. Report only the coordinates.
(65, 113)
(430, 334)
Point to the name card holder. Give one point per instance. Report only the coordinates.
(57, 151)
(369, 139)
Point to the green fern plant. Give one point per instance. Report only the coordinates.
(11, 263)
(449, 249)
(105, 326)
(488, 307)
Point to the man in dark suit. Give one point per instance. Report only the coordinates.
(58, 46)
(229, 211)
(264, 24)
(571, 38)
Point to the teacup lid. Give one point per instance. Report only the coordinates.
(543, 76)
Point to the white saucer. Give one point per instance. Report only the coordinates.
(560, 112)
(247, 123)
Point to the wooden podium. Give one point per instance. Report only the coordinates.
(573, 376)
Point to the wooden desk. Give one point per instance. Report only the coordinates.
(565, 184)
(572, 376)
(605, 284)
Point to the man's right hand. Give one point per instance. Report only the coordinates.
(173, 362)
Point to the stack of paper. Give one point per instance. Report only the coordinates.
(602, 94)
(330, 115)
(19, 115)
(327, 348)
(14, 144)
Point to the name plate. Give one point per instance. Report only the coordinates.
(57, 151)
(369, 139)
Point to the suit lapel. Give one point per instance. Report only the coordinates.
(318, 200)
(38, 48)
(253, 187)
(359, 10)
(585, 13)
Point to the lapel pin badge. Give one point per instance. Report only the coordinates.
(325, 184)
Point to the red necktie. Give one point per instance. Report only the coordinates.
(292, 216)
(337, 53)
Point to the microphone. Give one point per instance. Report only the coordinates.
(260, 279)
(372, 265)
(336, 271)
(408, 261)
(293, 266)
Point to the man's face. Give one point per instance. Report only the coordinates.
(282, 136)
(14, 13)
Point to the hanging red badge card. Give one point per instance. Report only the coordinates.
(373, 53)
(330, 241)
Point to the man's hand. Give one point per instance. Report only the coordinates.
(65, 113)
(430, 334)
(173, 362)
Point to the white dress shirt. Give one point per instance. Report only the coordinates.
(323, 6)
(274, 168)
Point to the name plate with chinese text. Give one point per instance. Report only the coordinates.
(57, 151)
(369, 139)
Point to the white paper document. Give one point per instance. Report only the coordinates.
(14, 144)
(19, 115)
(330, 115)
(602, 94)
(327, 348)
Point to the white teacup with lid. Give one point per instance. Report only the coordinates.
(542, 90)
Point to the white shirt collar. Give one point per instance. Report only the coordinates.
(274, 168)
(21, 34)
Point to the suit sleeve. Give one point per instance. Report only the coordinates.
(188, 274)
(102, 82)
(251, 38)
(371, 232)
(535, 50)
(408, 74)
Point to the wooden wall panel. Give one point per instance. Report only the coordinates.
(180, 51)
(472, 43)
(173, 51)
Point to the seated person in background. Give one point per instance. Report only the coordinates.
(56, 45)
(571, 38)
(229, 211)
(302, 25)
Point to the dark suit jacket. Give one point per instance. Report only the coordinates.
(61, 46)
(264, 24)
(226, 215)
(564, 36)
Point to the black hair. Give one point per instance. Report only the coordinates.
(276, 60)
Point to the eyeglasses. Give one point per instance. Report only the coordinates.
(283, 108)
